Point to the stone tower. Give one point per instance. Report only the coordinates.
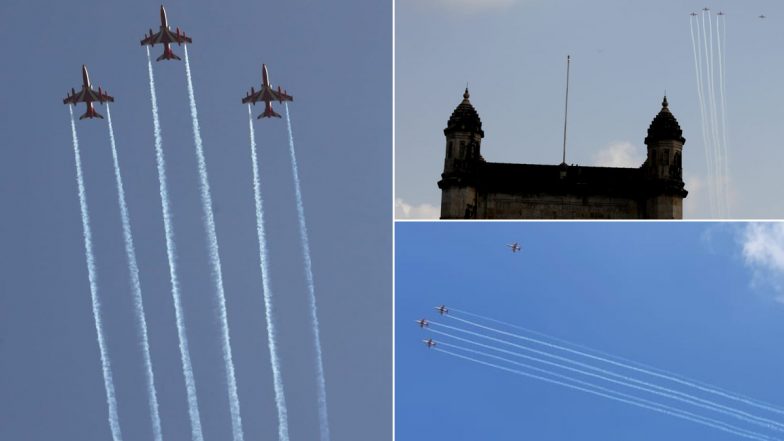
(663, 168)
(458, 181)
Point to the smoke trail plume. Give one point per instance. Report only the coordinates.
(215, 260)
(627, 382)
(136, 287)
(171, 253)
(624, 398)
(280, 398)
(303, 231)
(684, 382)
(629, 364)
(108, 381)
(697, 49)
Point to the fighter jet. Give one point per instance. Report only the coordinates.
(429, 342)
(762, 16)
(165, 36)
(266, 94)
(706, 9)
(693, 14)
(88, 96)
(514, 246)
(423, 323)
(721, 13)
(442, 309)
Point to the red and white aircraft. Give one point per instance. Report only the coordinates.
(267, 94)
(514, 246)
(423, 323)
(88, 96)
(442, 309)
(165, 36)
(429, 342)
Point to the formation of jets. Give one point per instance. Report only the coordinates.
(706, 9)
(166, 37)
(88, 96)
(266, 94)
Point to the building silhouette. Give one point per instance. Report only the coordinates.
(472, 188)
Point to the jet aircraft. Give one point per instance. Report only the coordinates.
(693, 14)
(429, 342)
(423, 323)
(514, 246)
(165, 36)
(88, 96)
(266, 94)
(442, 309)
(762, 16)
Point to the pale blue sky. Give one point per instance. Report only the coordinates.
(625, 54)
(338, 68)
(698, 299)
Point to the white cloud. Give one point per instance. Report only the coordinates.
(421, 211)
(620, 154)
(695, 205)
(763, 251)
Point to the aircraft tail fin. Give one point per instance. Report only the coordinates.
(269, 113)
(91, 113)
(168, 54)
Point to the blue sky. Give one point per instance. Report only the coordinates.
(698, 299)
(50, 377)
(512, 53)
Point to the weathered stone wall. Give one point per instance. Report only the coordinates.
(456, 200)
(548, 206)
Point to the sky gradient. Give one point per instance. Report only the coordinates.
(512, 54)
(691, 298)
(50, 377)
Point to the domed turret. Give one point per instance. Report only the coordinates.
(464, 118)
(665, 127)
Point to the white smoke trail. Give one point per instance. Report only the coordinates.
(605, 360)
(721, 41)
(697, 48)
(136, 287)
(171, 253)
(303, 231)
(708, 61)
(624, 398)
(715, 125)
(650, 388)
(277, 380)
(215, 260)
(646, 369)
(108, 381)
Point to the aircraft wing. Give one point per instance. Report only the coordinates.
(74, 98)
(166, 36)
(280, 96)
(253, 98)
(95, 96)
(152, 39)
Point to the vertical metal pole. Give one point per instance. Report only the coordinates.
(566, 106)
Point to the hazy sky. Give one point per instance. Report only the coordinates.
(338, 68)
(701, 300)
(512, 53)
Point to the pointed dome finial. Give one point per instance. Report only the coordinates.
(665, 104)
(466, 94)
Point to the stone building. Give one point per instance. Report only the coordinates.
(472, 188)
